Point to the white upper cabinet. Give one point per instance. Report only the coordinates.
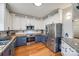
(5, 18)
(2, 13)
(20, 22)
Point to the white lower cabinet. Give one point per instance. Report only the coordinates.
(67, 50)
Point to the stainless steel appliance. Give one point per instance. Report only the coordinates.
(54, 32)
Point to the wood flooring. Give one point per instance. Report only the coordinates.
(36, 49)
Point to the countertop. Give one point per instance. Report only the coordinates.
(3, 47)
(73, 42)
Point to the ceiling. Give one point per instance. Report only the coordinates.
(32, 10)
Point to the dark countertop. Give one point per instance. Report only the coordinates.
(3, 47)
(73, 42)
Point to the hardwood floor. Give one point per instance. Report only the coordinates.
(37, 49)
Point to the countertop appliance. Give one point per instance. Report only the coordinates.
(54, 32)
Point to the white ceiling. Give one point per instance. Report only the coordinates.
(32, 10)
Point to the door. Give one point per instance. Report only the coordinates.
(6, 52)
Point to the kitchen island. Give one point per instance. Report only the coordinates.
(70, 47)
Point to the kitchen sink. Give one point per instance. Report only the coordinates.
(4, 42)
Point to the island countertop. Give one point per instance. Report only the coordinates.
(3, 47)
(73, 42)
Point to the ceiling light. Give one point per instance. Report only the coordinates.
(38, 4)
(68, 15)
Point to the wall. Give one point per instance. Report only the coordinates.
(20, 22)
(67, 23)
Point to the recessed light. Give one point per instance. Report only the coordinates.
(68, 15)
(37, 4)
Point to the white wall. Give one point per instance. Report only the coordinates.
(67, 23)
(20, 22)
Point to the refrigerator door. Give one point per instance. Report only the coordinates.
(54, 34)
(56, 37)
(58, 30)
(53, 30)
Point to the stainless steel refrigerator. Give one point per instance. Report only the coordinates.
(54, 33)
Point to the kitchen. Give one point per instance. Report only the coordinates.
(28, 29)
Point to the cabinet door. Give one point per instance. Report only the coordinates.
(64, 48)
(37, 38)
(6, 52)
(72, 52)
(12, 48)
(43, 39)
(2, 12)
(67, 50)
(20, 41)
